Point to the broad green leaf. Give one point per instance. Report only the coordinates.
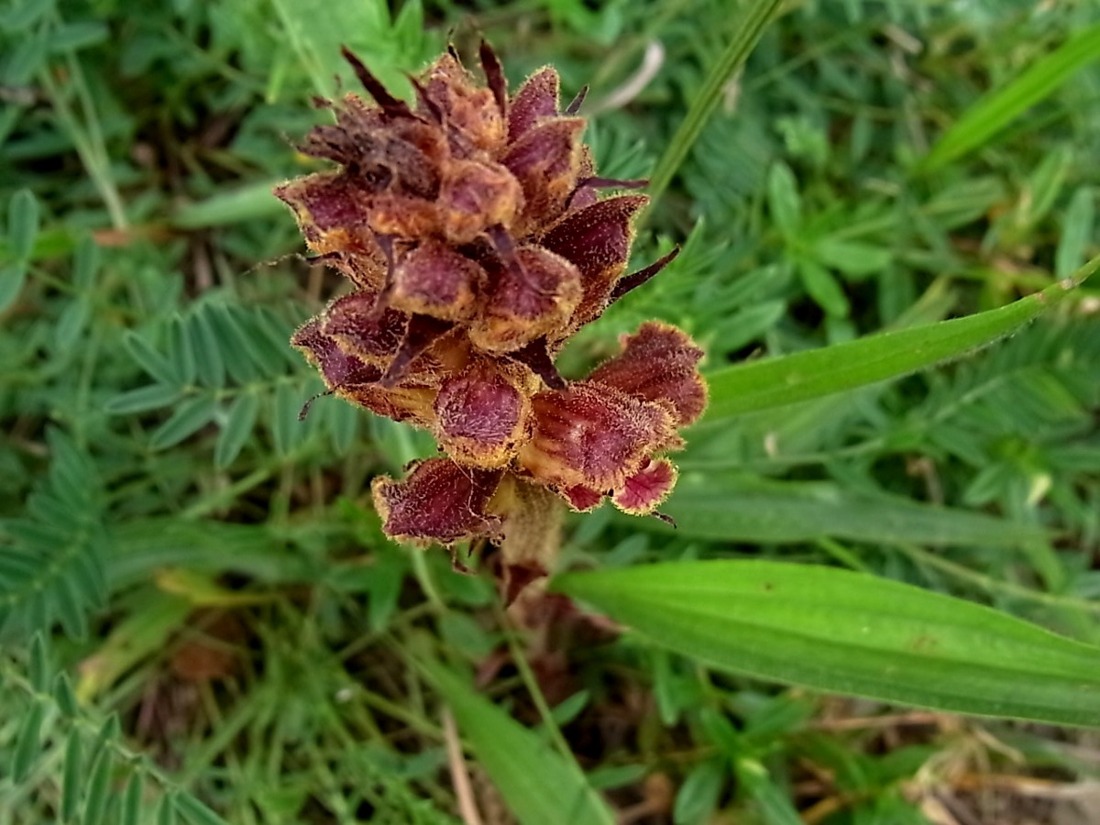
(196, 812)
(824, 288)
(19, 16)
(143, 399)
(86, 262)
(287, 428)
(237, 428)
(22, 224)
(166, 809)
(746, 325)
(784, 202)
(208, 348)
(40, 663)
(853, 258)
(1077, 232)
(753, 511)
(538, 784)
(315, 30)
(12, 279)
(72, 782)
(26, 743)
(786, 379)
(190, 417)
(698, 796)
(75, 36)
(151, 360)
(95, 803)
(181, 351)
(131, 800)
(773, 802)
(1000, 107)
(851, 633)
(63, 693)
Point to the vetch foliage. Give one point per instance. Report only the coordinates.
(51, 563)
(257, 647)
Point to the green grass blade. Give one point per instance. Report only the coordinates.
(787, 379)
(851, 633)
(998, 108)
(753, 17)
(781, 512)
(539, 786)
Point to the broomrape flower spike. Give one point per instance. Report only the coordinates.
(476, 241)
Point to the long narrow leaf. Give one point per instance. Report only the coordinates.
(997, 109)
(787, 379)
(752, 19)
(705, 508)
(539, 786)
(835, 630)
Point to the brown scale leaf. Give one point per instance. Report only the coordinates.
(411, 401)
(475, 196)
(546, 161)
(434, 279)
(536, 99)
(336, 366)
(530, 299)
(483, 414)
(597, 240)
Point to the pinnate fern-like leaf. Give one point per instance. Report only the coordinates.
(51, 561)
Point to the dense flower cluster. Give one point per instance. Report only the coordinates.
(472, 232)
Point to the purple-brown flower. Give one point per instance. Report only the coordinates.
(473, 234)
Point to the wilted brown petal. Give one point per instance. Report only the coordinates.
(437, 501)
(658, 363)
(436, 280)
(531, 298)
(536, 99)
(597, 239)
(647, 488)
(337, 367)
(482, 413)
(593, 436)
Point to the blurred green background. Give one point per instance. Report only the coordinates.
(228, 635)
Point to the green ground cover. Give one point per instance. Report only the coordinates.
(889, 514)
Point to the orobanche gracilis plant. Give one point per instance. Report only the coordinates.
(472, 231)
